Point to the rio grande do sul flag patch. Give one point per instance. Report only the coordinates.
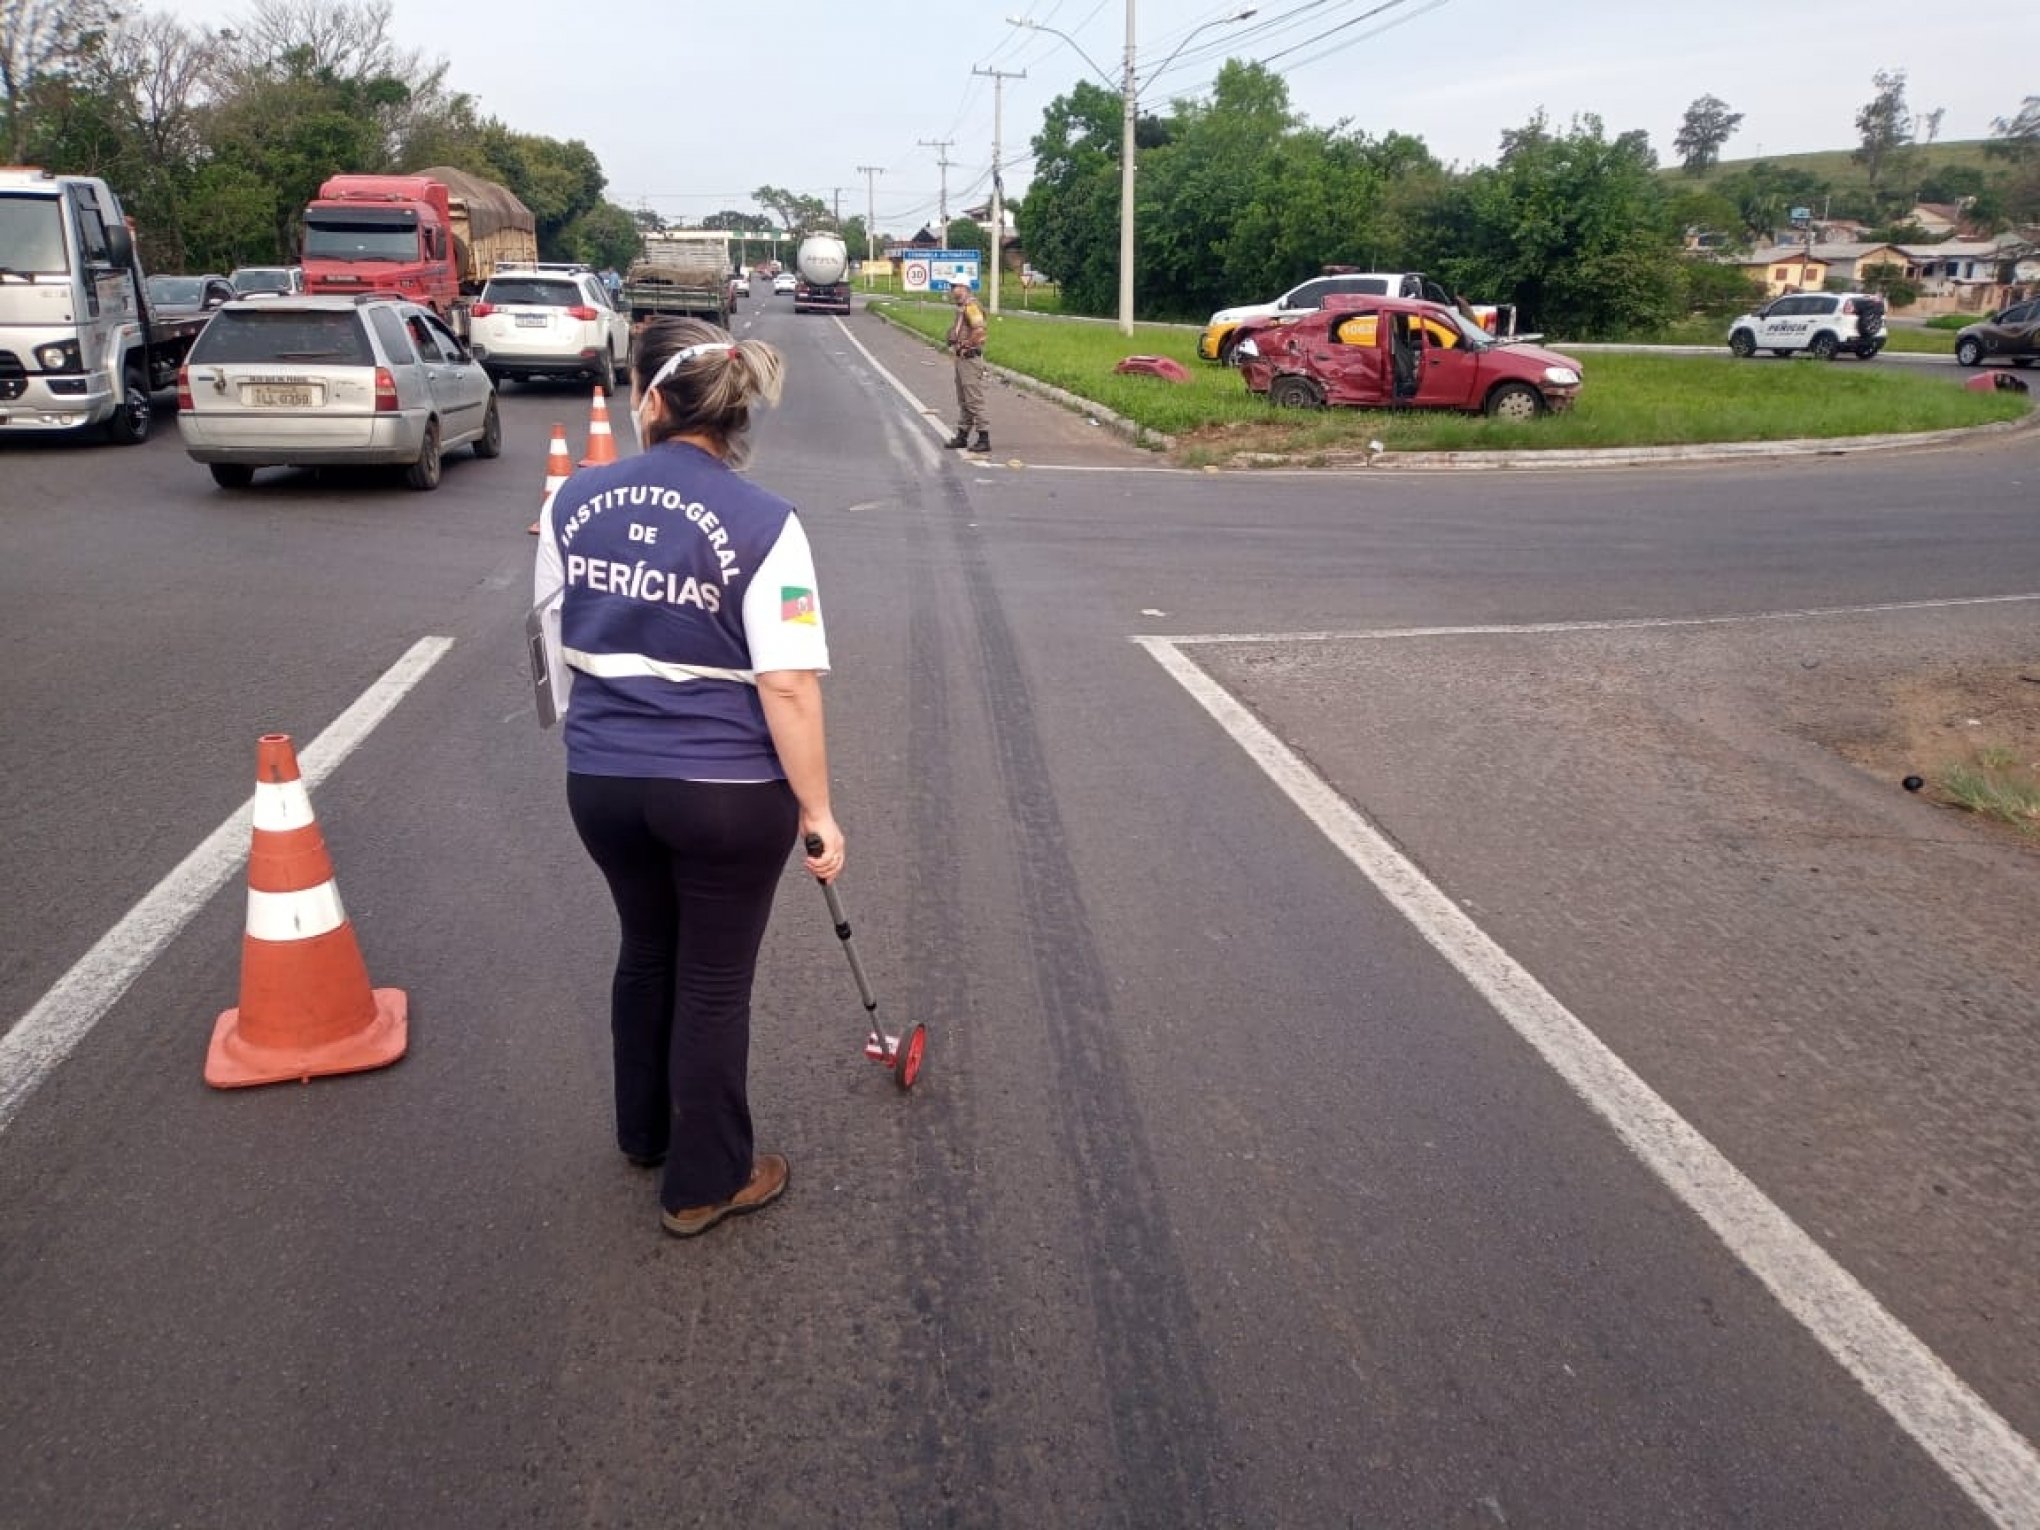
(798, 605)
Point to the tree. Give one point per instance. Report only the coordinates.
(1572, 227)
(968, 234)
(1709, 124)
(796, 212)
(1884, 127)
(2016, 140)
(42, 44)
(604, 236)
(1069, 222)
(738, 222)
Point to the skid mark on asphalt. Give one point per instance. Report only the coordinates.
(1164, 1412)
(1995, 1465)
(41, 1039)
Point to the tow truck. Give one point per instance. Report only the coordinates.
(79, 346)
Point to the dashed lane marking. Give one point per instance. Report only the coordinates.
(61, 1018)
(1988, 1459)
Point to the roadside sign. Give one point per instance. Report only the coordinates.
(915, 276)
(953, 268)
(1801, 214)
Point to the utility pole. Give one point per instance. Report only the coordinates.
(942, 145)
(1126, 137)
(839, 205)
(999, 78)
(871, 173)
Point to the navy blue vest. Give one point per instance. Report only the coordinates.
(658, 550)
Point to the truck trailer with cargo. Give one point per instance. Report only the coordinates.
(680, 273)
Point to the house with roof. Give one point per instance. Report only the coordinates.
(1937, 220)
(1967, 275)
(1784, 268)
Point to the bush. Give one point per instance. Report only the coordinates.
(1951, 321)
(1717, 291)
(1889, 282)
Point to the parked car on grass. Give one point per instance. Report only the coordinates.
(188, 294)
(1223, 331)
(2013, 335)
(1401, 353)
(330, 382)
(1823, 324)
(549, 321)
(268, 281)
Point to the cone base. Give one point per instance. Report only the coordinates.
(232, 1063)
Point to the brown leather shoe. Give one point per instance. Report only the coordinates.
(769, 1173)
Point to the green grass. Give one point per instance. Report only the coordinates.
(1714, 332)
(1996, 785)
(1839, 170)
(1013, 298)
(1952, 321)
(1629, 400)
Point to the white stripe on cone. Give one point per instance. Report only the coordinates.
(282, 805)
(283, 916)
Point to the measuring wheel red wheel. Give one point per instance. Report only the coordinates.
(907, 1065)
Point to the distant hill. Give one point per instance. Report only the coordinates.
(1843, 173)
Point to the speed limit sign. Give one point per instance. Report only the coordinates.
(917, 276)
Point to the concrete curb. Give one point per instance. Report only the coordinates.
(1139, 434)
(1490, 461)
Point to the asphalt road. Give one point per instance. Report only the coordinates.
(1224, 1199)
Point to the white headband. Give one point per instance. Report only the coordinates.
(684, 355)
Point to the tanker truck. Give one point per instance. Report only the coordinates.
(823, 268)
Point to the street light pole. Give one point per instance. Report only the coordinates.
(1126, 137)
(1130, 105)
(999, 79)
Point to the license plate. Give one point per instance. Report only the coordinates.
(269, 396)
(531, 321)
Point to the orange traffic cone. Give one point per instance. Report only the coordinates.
(559, 467)
(601, 443)
(306, 1007)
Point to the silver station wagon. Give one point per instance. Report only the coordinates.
(332, 382)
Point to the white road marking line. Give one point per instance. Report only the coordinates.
(61, 1018)
(929, 417)
(1618, 624)
(1987, 1458)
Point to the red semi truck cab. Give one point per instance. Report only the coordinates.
(383, 233)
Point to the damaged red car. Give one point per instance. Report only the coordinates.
(1400, 353)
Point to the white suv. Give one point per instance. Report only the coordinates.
(1823, 324)
(549, 321)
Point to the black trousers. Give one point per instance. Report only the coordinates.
(693, 866)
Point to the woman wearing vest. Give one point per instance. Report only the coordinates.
(690, 620)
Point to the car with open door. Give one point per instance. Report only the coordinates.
(1402, 353)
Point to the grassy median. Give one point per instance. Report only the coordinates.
(1628, 400)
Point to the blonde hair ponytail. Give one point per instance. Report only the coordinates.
(706, 382)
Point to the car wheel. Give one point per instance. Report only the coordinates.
(1294, 392)
(1514, 401)
(1969, 353)
(1229, 350)
(130, 423)
(490, 442)
(2022, 361)
(1824, 347)
(424, 473)
(605, 375)
(1743, 344)
(232, 475)
(1869, 348)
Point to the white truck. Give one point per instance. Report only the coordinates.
(79, 347)
(823, 265)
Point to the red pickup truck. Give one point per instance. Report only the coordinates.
(1402, 353)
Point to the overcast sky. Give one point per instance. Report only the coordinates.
(689, 106)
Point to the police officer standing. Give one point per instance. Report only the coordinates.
(967, 340)
(690, 618)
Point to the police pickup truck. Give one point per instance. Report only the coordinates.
(79, 347)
